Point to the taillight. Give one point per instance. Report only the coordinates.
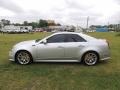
(108, 43)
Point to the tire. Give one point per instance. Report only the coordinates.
(23, 57)
(90, 58)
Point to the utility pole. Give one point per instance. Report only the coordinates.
(87, 22)
(108, 27)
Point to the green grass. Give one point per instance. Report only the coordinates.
(59, 76)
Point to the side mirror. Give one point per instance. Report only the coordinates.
(44, 42)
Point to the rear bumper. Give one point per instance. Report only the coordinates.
(107, 58)
(105, 54)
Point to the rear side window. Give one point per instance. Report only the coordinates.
(56, 38)
(74, 38)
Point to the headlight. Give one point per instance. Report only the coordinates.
(12, 49)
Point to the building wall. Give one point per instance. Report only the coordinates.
(102, 29)
(12, 28)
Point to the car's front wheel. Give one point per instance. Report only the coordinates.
(23, 57)
(90, 58)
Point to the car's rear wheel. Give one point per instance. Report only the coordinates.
(23, 57)
(90, 58)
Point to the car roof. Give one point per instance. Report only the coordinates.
(85, 36)
(66, 33)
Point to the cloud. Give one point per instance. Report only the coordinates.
(77, 4)
(11, 6)
(64, 11)
(117, 1)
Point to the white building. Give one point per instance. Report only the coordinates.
(78, 29)
(12, 28)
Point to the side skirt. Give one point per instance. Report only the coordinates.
(56, 61)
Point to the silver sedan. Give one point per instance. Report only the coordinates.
(61, 47)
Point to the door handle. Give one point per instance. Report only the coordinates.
(80, 46)
(60, 47)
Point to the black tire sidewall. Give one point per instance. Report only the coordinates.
(88, 64)
(17, 61)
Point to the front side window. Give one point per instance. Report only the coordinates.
(59, 38)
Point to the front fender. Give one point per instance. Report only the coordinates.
(30, 49)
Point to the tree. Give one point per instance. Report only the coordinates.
(58, 24)
(0, 26)
(16, 24)
(5, 22)
(111, 26)
(25, 23)
(42, 23)
(33, 24)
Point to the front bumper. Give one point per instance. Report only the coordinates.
(11, 56)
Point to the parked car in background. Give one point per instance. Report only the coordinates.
(61, 47)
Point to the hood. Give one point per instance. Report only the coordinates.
(26, 43)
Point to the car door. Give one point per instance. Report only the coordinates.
(53, 49)
(73, 46)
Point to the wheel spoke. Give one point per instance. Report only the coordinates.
(90, 58)
(23, 58)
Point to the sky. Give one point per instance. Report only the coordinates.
(67, 12)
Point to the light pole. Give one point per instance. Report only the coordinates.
(87, 22)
